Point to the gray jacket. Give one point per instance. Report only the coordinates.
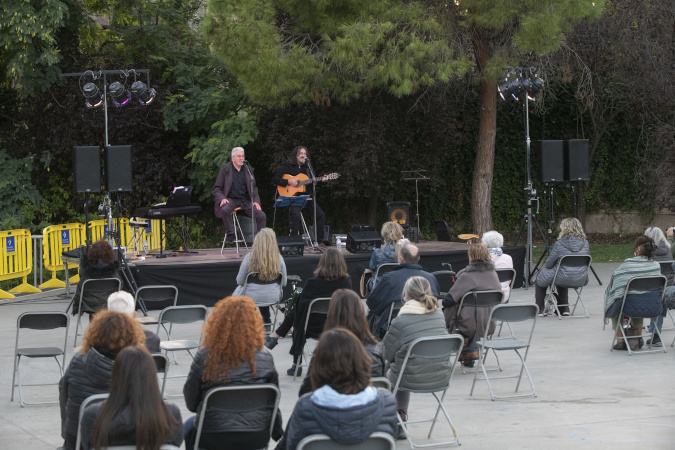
(568, 276)
(405, 329)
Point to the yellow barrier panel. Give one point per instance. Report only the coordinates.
(100, 227)
(56, 240)
(152, 235)
(16, 260)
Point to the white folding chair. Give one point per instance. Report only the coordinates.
(376, 441)
(431, 349)
(316, 306)
(102, 287)
(580, 263)
(508, 313)
(39, 321)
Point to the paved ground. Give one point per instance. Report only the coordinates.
(588, 397)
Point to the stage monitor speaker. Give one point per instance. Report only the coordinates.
(118, 168)
(551, 161)
(442, 231)
(245, 223)
(399, 212)
(363, 241)
(362, 227)
(291, 245)
(576, 160)
(327, 237)
(87, 168)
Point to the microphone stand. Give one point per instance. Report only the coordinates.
(315, 243)
(250, 193)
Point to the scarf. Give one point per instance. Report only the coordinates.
(495, 251)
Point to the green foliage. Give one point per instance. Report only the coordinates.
(19, 198)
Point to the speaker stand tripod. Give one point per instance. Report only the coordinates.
(415, 175)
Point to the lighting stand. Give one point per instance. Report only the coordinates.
(416, 175)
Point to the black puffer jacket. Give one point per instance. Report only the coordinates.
(87, 374)
(195, 390)
(94, 301)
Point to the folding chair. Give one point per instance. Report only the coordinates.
(381, 270)
(162, 365)
(381, 383)
(96, 398)
(155, 298)
(252, 277)
(239, 237)
(445, 280)
(508, 313)
(181, 315)
(577, 262)
(235, 399)
(667, 271)
(376, 441)
(649, 306)
(431, 349)
(38, 321)
(510, 276)
(102, 287)
(395, 306)
(316, 306)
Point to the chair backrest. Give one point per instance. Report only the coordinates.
(395, 306)
(317, 306)
(182, 314)
(235, 399)
(381, 382)
(505, 274)
(87, 401)
(514, 312)
(376, 441)
(433, 348)
(481, 298)
(254, 278)
(382, 269)
(444, 278)
(47, 320)
(157, 297)
(650, 303)
(572, 261)
(666, 267)
(161, 362)
(650, 283)
(101, 285)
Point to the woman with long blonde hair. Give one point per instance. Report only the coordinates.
(232, 352)
(266, 261)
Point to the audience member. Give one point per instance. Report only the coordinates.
(134, 413)
(232, 353)
(392, 235)
(390, 286)
(571, 241)
(671, 240)
(494, 242)
(329, 276)
(343, 405)
(662, 253)
(123, 302)
(479, 275)
(89, 371)
(267, 262)
(346, 311)
(98, 261)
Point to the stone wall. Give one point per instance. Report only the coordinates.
(628, 222)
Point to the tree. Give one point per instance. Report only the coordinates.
(295, 51)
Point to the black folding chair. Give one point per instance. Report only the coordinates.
(579, 263)
(102, 287)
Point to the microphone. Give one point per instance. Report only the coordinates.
(306, 159)
(245, 162)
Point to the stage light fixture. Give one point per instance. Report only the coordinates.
(120, 96)
(145, 95)
(93, 98)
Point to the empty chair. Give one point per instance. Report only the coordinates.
(155, 298)
(579, 263)
(376, 441)
(98, 287)
(181, 315)
(39, 321)
(318, 306)
(445, 279)
(508, 313)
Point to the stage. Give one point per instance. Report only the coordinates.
(207, 276)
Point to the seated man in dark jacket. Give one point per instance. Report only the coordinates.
(389, 288)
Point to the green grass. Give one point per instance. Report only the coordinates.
(600, 252)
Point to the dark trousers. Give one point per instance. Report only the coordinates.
(540, 293)
(296, 213)
(265, 314)
(245, 205)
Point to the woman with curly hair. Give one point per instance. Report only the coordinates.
(232, 352)
(97, 262)
(134, 413)
(89, 371)
(265, 260)
(329, 276)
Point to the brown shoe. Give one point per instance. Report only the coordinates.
(620, 345)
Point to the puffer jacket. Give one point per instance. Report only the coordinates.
(345, 426)
(568, 276)
(94, 301)
(662, 254)
(195, 391)
(404, 329)
(87, 374)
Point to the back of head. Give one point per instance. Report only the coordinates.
(122, 301)
(341, 362)
(392, 232)
(111, 331)
(332, 265)
(492, 239)
(346, 311)
(419, 289)
(645, 246)
(571, 227)
(265, 255)
(100, 250)
(478, 253)
(657, 235)
(410, 254)
(233, 333)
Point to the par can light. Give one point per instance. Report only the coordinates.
(144, 94)
(93, 97)
(120, 96)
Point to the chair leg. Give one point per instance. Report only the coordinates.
(77, 327)
(16, 366)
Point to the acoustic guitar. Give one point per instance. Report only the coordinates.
(303, 180)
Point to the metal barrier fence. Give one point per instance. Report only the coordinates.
(16, 260)
(56, 240)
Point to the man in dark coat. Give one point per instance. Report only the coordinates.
(234, 188)
(389, 288)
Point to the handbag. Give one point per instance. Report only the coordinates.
(365, 280)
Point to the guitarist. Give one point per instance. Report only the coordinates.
(297, 164)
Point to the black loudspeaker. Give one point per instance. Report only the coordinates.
(362, 227)
(442, 231)
(576, 160)
(363, 241)
(399, 212)
(291, 245)
(87, 168)
(245, 223)
(118, 168)
(551, 161)
(327, 236)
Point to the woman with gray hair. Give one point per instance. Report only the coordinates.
(662, 245)
(571, 241)
(494, 242)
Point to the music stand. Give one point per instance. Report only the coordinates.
(283, 201)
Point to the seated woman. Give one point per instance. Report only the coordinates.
(392, 234)
(329, 276)
(571, 241)
(134, 413)
(494, 242)
(89, 371)
(266, 260)
(97, 262)
(346, 311)
(418, 317)
(479, 275)
(642, 264)
(343, 405)
(232, 353)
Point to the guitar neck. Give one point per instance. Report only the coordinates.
(309, 180)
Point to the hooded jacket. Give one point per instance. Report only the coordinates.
(568, 276)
